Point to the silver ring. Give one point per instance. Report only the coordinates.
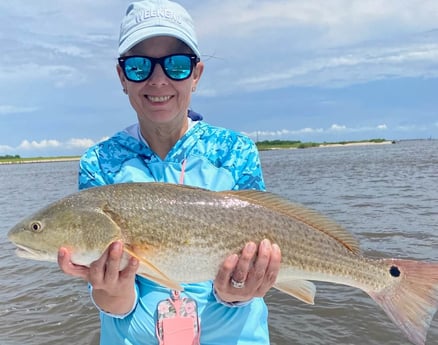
(237, 285)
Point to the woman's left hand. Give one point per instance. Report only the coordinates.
(251, 275)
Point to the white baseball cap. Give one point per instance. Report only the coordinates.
(151, 18)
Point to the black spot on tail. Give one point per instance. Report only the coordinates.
(394, 271)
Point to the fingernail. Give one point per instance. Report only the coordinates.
(275, 247)
(266, 244)
(116, 246)
(233, 259)
(251, 247)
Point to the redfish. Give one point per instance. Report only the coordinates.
(181, 234)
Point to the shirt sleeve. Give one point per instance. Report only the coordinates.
(90, 172)
(116, 316)
(245, 161)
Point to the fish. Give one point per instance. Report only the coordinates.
(181, 234)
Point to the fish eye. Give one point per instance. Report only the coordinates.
(36, 226)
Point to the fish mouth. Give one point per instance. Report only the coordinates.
(29, 253)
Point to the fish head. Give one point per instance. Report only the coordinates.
(85, 231)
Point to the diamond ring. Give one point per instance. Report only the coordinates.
(237, 285)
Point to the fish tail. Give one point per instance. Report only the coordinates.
(412, 300)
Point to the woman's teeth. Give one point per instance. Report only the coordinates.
(158, 99)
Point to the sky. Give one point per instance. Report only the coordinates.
(314, 70)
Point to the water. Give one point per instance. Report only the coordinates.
(387, 195)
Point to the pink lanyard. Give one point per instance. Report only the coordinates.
(183, 171)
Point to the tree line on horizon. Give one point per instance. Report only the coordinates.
(10, 157)
(266, 144)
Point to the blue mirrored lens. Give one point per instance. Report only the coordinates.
(138, 68)
(178, 67)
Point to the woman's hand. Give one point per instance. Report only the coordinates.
(113, 290)
(251, 275)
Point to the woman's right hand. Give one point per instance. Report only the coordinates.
(113, 290)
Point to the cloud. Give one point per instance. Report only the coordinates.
(12, 109)
(348, 67)
(315, 43)
(82, 143)
(308, 132)
(60, 75)
(412, 128)
(5, 149)
(73, 146)
(337, 128)
(332, 21)
(65, 49)
(282, 133)
(43, 144)
(73, 143)
(343, 128)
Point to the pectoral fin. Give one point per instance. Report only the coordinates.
(300, 289)
(148, 270)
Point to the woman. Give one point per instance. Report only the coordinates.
(159, 68)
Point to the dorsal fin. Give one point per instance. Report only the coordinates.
(298, 212)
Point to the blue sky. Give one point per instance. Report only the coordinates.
(314, 70)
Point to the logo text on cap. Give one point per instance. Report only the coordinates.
(160, 13)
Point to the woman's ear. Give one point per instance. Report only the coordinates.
(122, 78)
(197, 72)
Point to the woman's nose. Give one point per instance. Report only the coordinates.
(158, 77)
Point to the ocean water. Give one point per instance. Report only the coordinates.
(387, 195)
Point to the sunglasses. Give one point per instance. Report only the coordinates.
(176, 66)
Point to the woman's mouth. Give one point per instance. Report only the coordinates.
(158, 99)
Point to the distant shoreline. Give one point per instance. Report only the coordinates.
(38, 160)
(262, 146)
(279, 145)
(361, 143)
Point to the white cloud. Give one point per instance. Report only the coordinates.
(66, 49)
(336, 127)
(277, 44)
(283, 133)
(308, 132)
(412, 128)
(335, 22)
(43, 144)
(82, 143)
(349, 66)
(60, 75)
(5, 149)
(33, 147)
(313, 42)
(12, 109)
(344, 128)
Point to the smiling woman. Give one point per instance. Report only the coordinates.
(159, 68)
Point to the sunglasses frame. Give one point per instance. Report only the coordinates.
(122, 63)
